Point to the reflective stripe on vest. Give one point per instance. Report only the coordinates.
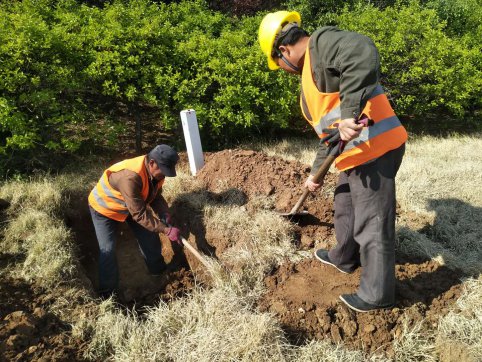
(322, 110)
(110, 202)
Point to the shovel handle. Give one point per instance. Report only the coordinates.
(320, 175)
(194, 252)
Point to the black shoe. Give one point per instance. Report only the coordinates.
(354, 302)
(322, 255)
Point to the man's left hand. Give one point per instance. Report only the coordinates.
(349, 129)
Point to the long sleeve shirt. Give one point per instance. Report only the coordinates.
(344, 62)
(129, 184)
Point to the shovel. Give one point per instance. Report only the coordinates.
(195, 252)
(336, 149)
(190, 247)
(319, 176)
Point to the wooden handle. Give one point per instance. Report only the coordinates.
(194, 252)
(319, 176)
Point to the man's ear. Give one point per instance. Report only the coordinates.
(283, 49)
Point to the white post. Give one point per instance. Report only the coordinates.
(193, 140)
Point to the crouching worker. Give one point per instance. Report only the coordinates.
(130, 191)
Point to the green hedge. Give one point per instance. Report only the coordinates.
(66, 68)
(430, 76)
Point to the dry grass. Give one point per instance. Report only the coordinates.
(212, 325)
(440, 217)
(34, 231)
(439, 182)
(412, 345)
(463, 326)
(259, 241)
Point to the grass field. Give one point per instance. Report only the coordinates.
(441, 207)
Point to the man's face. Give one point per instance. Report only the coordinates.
(155, 171)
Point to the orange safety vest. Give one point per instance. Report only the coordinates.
(322, 110)
(108, 201)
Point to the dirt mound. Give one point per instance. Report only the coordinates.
(28, 331)
(255, 173)
(304, 296)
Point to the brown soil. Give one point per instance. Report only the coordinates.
(28, 331)
(255, 173)
(304, 296)
(137, 287)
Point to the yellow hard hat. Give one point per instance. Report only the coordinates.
(270, 28)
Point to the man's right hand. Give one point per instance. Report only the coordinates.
(173, 233)
(310, 185)
(349, 129)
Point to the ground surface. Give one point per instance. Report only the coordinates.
(303, 295)
(28, 331)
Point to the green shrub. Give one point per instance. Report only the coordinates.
(230, 86)
(461, 16)
(69, 71)
(315, 13)
(44, 97)
(429, 75)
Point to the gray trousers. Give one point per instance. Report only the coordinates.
(365, 225)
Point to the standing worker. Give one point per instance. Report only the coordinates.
(340, 73)
(130, 191)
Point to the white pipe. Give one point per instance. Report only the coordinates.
(193, 140)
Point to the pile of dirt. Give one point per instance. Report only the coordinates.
(28, 331)
(304, 296)
(255, 173)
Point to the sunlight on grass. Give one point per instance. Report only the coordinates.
(412, 345)
(439, 217)
(209, 325)
(463, 327)
(296, 149)
(35, 231)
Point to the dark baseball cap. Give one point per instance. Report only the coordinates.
(166, 158)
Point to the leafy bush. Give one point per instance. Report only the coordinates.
(229, 84)
(461, 16)
(66, 67)
(429, 75)
(315, 13)
(67, 70)
(43, 94)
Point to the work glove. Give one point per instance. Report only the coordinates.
(174, 234)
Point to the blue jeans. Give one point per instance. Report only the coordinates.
(149, 245)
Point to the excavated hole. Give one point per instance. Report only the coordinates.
(137, 287)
